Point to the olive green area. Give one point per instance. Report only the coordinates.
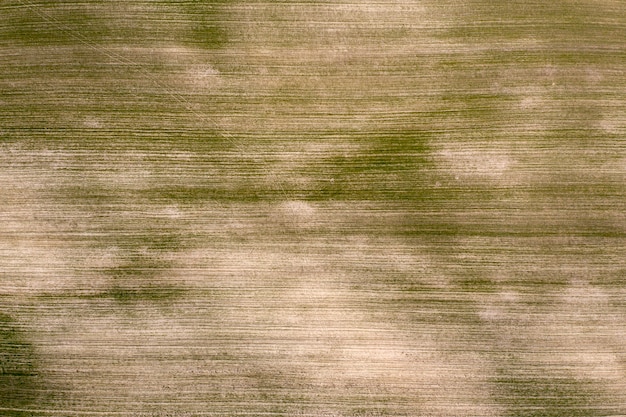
(206, 29)
(94, 23)
(394, 166)
(537, 396)
(141, 293)
(20, 385)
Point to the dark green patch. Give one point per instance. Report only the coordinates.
(19, 384)
(560, 22)
(391, 166)
(377, 411)
(138, 268)
(193, 194)
(199, 23)
(475, 283)
(51, 23)
(205, 22)
(150, 293)
(16, 356)
(549, 396)
(139, 278)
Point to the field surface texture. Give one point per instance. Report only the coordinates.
(313, 208)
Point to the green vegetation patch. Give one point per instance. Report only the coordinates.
(388, 166)
(19, 385)
(152, 293)
(205, 23)
(549, 396)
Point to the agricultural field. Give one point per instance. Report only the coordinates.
(314, 208)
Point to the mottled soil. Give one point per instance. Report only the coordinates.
(319, 208)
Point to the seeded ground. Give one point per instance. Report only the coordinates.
(317, 208)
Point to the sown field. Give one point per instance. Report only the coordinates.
(314, 208)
